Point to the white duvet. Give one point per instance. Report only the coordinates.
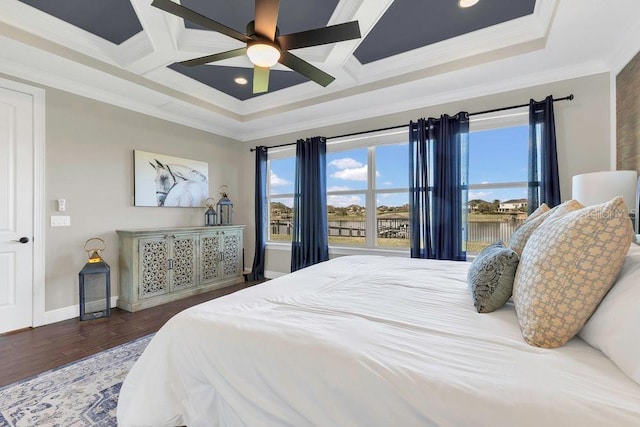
(367, 341)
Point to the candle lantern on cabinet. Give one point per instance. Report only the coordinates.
(210, 214)
(225, 207)
(95, 282)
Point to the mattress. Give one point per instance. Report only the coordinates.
(367, 341)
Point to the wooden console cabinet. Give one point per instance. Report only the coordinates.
(165, 264)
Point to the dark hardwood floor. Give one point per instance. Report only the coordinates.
(29, 352)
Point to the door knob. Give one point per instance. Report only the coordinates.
(22, 240)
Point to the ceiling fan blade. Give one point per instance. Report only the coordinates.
(303, 67)
(215, 57)
(196, 18)
(267, 18)
(260, 79)
(320, 36)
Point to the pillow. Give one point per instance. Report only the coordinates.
(613, 328)
(543, 208)
(490, 277)
(521, 235)
(566, 268)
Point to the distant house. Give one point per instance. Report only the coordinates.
(512, 206)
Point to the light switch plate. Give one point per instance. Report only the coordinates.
(60, 221)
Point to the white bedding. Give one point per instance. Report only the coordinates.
(367, 341)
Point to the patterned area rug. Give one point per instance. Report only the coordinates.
(82, 393)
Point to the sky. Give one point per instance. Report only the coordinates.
(497, 155)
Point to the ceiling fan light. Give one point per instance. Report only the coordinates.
(263, 54)
(467, 3)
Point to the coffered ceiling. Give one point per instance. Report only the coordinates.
(412, 53)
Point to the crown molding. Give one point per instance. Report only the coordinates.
(138, 46)
(149, 104)
(399, 99)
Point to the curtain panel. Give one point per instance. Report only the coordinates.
(257, 270)
(544, 181)
(310, 242)
(438, 187)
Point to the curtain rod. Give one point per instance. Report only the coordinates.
(495, 110)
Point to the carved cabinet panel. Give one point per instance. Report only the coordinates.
(210, 257)
(231, 253)
(154, 266)
(162, 265)
(183, 261)
(167, 263)
(220, 254)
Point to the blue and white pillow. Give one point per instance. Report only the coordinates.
(491, 275)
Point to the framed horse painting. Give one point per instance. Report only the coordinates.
(167, 181)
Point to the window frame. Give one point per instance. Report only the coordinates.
(493, 121)
(490, 121)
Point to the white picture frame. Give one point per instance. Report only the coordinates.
(168, 181)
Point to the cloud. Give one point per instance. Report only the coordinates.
(344, 200)
(276, 181)
(338, 188)
(388, 183)
(345, 163)
(349, 169)
(479, 195)
(484, 182)
(352, 174)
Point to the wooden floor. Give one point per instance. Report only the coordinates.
(29, 352)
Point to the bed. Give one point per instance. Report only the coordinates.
(368, 341)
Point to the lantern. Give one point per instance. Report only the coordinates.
(95, 283)
(210, 214)
(225, 207)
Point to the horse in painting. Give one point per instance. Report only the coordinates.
(179, 185)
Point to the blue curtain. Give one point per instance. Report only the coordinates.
(438, 189)
(544, 181)
(260, 213)
(309, 243)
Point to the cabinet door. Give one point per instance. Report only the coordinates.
(183, 261)
(231, 253)
(210, 257)
(154, 259)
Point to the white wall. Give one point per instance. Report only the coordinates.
(89, 162)
(582, 127)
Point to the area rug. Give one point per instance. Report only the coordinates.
(82, 393)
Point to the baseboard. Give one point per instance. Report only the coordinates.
(273, 274)
(65, 313)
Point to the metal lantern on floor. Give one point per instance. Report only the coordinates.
(210, 214)
(225, 207)
(95, 282)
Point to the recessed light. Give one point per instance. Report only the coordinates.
(467, 3)
(241, 80)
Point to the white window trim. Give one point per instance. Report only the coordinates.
(490, 121)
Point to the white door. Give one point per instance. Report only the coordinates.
(16, 210)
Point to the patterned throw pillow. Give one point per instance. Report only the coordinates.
(543, 208)
(520, 237)
(490, 277)
(566, 268)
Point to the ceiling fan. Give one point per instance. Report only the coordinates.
(265, 46)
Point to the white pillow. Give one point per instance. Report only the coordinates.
(613, 328)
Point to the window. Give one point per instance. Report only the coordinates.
(280, 194)
(368, 194)
(367, 191)
(498, 164)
